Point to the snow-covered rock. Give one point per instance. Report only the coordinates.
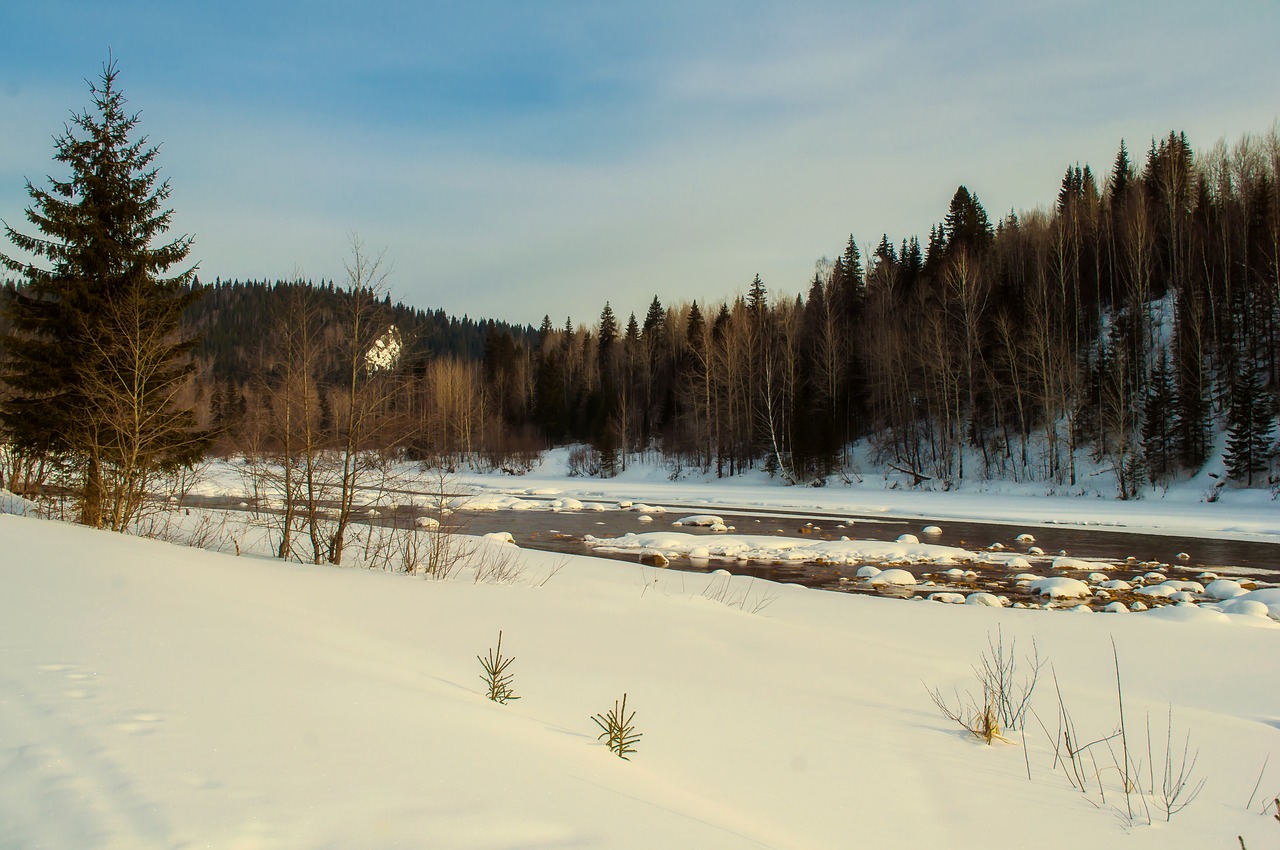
(897, 577)
(701, 520)
(1060, 587)
(1224, 588)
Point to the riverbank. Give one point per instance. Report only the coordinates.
(1184, 509)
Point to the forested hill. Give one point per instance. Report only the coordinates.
(235, 318)
(1130, 327)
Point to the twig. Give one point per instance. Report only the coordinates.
(1258, 784)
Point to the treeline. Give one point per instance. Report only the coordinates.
(234, 317)
(239, 325)
(1127, 325)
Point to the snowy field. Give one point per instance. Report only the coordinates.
(154, 696)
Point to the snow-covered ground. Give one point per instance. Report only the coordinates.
(157, 696)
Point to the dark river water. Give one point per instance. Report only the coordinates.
(564, 532)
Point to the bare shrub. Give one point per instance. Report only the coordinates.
(1009, 688)
(980, 719)
(497, 564)
(720, 589)
(1006, 684)
(585, 461)
(1179, 786)
(551, 573)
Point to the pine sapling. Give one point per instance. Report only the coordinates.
(496, 676)
(618, 730)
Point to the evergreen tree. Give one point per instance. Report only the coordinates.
(1250, 423)
(654, 320)
(1193, 384)
(885, 252)
(967, 225)
(757, 299)
(607, 337)
(544, 331)
(96, 356)
(850, 282)
(1159, 428)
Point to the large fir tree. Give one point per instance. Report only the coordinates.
(95, 354)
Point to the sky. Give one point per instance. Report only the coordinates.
(516, 159)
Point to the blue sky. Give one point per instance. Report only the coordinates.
(516, 159)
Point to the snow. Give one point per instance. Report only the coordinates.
(385, 351)
(1223, 588)
(11, 504)
(1060, 588)
(765, 548)
(156, 696)
(1269, 596)
(1250, 607)
(700, 519)
(893, 576)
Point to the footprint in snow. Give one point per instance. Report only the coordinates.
(140, 724)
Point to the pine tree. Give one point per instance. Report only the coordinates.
(97, 358)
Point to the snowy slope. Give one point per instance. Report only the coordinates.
(154, 696)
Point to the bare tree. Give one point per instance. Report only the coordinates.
(368, 384)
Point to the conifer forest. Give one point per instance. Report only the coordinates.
(1129, 324)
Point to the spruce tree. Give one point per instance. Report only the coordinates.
(1250, 424)
(654, 320)
(608, 336)
(1159, 427)
(96, 355)
(967, 225)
